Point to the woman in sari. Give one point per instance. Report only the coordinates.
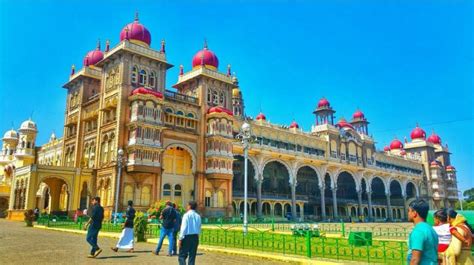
(127, 238)
(459, 250)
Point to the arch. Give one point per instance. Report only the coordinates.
(288, 168)
(278, 209)
(396, 196)
(346, 186)
(266, 209)
(190, 151)
(308, 186)
(84, 200)
(383, 213)
(377, 186)
(238, 179)
(276, 179)
(411, 190)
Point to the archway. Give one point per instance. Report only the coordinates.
(238, 180)
(346, 191)
(378, 193)
(178, 166)
(410, 190)
(278, 210)
(308, 187)
(396, 198)
(266, 209)
(84, 201)
(56, 196)
(276, 181)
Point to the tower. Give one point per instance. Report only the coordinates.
(237, 99)
(324, 113)
(214, 91)
(25, 151)
(360, 123)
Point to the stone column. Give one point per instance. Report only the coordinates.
(389, 207)
(334, 203)
(259, 198)
(369, 197)
(323, 203)
(405, 208)
(359, 198)
(302, 211)
(293, 200)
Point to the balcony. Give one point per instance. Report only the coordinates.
(180, 97)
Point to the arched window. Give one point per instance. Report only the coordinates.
(152, 80)
(127, 194)
(167, 192)
(207, 200)
(145, 196)
(134, 74)
(177, 194)
(143, 77)
(215, 98)
(179, 118)
(222, 99)
(209, 96)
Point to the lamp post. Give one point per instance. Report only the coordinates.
(245, 136)
(119, 175)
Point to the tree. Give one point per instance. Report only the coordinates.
(469, 195)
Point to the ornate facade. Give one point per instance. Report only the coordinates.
(179, 144)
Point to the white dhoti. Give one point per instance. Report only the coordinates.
(126, 239)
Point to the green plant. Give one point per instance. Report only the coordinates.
(140, 226)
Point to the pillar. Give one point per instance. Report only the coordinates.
(405, 209)
(323, 204)
(359, 198)
(334, 203)
(389, 207)
(259, 197)
(293, 200)
(369, 197)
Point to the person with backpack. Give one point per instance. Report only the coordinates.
(459, 250)
(168, 218)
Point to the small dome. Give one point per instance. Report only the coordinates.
(294, 125)
(93, 56)
(434, 139)
(10, 134)
(434, 163)
(386, 148)
(344, 124)
(261, 116)
(450, 168)
(28, 125)
(219, 109)
(145, 91)
(323, 103)
(418, 133)
(236, 93)
(205, 57)
(52, 137)
(136, 32)
(396, 145)
(358, 115)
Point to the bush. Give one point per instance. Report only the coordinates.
(154, 211)
(29, 217)
(140, 226)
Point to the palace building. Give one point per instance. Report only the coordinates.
(180, 144)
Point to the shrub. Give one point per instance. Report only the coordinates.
(140, 226)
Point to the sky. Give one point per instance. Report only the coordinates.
(400, 62)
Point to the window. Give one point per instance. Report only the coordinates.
(145, 198)
(207, 200)
(209, 96)
(215, 98)
(151, 82)
(222, 99)
(143, 77)
(134, 75)
(166, 190)
(127, 194)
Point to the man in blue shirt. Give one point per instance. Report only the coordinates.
(168, 217)
(423, 240)
(93, 226)
(189, 234)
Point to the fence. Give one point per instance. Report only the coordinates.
(264, 239)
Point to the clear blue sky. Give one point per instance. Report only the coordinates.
(399, 62)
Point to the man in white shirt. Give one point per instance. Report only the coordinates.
(189, 234)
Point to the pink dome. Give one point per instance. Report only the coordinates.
(450, 168)
(434, 139)
(219, 109)
(434, 163)
(396, 144)
(323, 103)
(136, 31)
(261, 116)
(386, 148)
(358, 115)
(145, 91)
(294, 125)
(344, 124)
(93, 56)
(418, 133)
(205, 57)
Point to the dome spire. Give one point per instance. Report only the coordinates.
(228, 70)
(205, 44)
(163, 46)
(107, 45)
(136, 15)
(181, 70)
(73, 69)
(98, 45)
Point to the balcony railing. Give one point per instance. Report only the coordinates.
(180, 97)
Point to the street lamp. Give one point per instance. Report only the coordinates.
(245, 136)
(117, 188)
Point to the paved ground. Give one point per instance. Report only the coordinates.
(24, 245)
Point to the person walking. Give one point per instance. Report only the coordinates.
(93, 227)
(177, 226)
(441, 226)
(127, 238)
(423, 240)
(459, 250)
(168, 217)
(189, 234)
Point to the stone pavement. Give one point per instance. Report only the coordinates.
(26, 245)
